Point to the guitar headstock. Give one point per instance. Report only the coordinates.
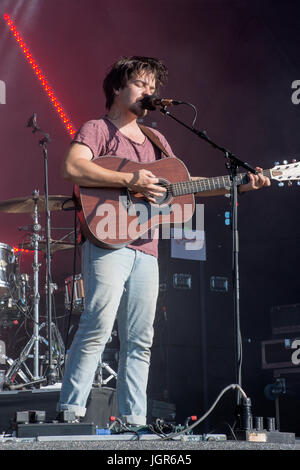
(286, 172)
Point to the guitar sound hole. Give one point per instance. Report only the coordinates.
(164, 199)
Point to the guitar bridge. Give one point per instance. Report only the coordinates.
(127, 202)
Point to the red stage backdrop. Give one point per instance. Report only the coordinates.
(238, 63)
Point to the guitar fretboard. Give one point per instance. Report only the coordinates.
(209, 184)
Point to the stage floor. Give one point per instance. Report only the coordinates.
(101, 405)
(120, 444)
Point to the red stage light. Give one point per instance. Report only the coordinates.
(21, 250)
(41, 76)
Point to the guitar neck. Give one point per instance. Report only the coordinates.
(209, 184)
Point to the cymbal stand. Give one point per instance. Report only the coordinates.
(51, 373)
(35, 338)
(36, 296)
(18, 364)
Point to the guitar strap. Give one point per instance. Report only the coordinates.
(154, 139)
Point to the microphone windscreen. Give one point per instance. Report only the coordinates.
(147, 102)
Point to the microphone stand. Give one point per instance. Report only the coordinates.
(231, 163)
(51, 374)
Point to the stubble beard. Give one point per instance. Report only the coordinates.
(137, 109)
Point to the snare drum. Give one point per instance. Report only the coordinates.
(76, 288)
(7, 269)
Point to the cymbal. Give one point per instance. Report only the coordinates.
(55, 245)
(26, 204)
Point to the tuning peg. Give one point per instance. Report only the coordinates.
(294, 160)
(285, 162)
(281, 184)
(276, 163)
(298, 183)
(290, 183)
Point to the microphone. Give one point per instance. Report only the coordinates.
(151, 101)
(32, 121)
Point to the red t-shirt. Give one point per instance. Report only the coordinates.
(104, 138)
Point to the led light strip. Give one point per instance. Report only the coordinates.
(22, 250)
(38, 72)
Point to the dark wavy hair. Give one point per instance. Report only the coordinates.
(122, 70)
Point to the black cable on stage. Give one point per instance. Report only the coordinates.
(189, 428)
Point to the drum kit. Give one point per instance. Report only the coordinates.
(20, 299)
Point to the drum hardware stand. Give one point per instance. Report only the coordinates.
(15, 366)
(26, 375)
(231, 163)
(99, 380)
(36, 296)
(51, 373)
(19, 372)
(34, 340)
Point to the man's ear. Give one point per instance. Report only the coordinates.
(116, 92)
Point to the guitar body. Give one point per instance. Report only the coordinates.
(115, 217)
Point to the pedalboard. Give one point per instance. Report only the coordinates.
(32, 423)
(55, 429)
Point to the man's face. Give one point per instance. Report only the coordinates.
(129, 98)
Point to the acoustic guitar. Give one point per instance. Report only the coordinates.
(115, 217)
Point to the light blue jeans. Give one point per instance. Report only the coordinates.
(122, 283)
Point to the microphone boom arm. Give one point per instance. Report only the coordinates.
(202, 134)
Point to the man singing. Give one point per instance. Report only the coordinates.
(120, 283)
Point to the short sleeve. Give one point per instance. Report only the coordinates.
(91, 134)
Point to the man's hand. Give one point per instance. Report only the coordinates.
(255, 181)
(146, 183)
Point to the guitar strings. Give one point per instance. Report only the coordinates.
(206, 184)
